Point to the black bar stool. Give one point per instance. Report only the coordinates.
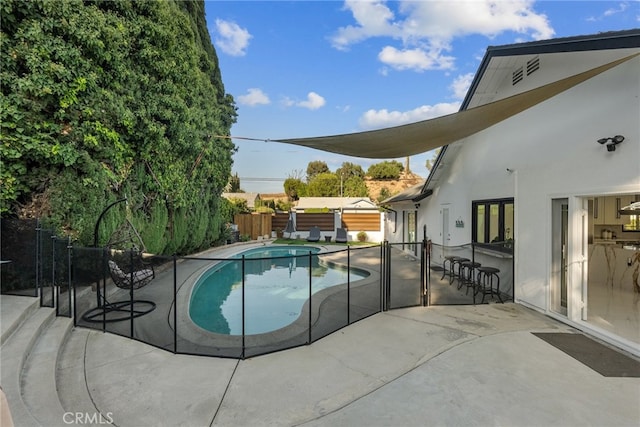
(467, 277)
(450, 259)
(457, 263)
(485, 277)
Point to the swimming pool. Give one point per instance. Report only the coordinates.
(276, 288)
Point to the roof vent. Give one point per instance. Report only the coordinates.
(517, 76)
(533, 65)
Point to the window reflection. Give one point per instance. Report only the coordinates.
(493, 223)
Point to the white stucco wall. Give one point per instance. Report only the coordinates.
(552, 152)
(395, 227)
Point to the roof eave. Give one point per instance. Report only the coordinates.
(609, 40)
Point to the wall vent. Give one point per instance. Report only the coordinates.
(517, 76)
(533, 65)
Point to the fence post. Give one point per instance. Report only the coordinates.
(175, 305)
(69, 267)
(38, 260)
(98, 291)
(310, 290)
(75, 299)
(348, 286)
(382, 276)
(423, 274)
(243, 309)
(473, 259)
(104, 290)
(388, 274)
(131, 290)
(55, 290)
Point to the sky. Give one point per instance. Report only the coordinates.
(317, 68)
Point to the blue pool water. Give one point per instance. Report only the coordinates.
(276, 288)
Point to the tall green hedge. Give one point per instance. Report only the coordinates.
(106, 99)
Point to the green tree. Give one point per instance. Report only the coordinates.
(103, 99)
(239, 205)
(324, 185)
(385, 170)
(383, 195)
(349, 169)
(234, 184)
(294, 188)
(355, 186)
(281, 205)
(432, 160)
(316, 167)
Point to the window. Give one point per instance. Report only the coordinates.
(493, 223)
(632, 223)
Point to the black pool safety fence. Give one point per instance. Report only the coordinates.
(229, 307)
(35, 262)
(237, 305)
(471, 273)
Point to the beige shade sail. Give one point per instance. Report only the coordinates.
(420, 137)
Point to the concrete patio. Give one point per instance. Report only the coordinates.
(457, 365)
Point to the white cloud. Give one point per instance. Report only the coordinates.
(254, 97)
(287, 102)
(460, 85)
(621, 8)
(377, 119)
(414, 59)
(373, 18)
(231, 38)
(425, 29)
(313, 101)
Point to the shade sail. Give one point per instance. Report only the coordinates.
(419, 137)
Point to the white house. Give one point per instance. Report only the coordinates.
(355, 204)
(252, 199)
(551, 181)
(355, 214)
(542, 157)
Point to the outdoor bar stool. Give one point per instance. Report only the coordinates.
(450, 259)
(485, 277)
(457, 263)
(467, 275)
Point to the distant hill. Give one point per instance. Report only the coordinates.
(394, 186)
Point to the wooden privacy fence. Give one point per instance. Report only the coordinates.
(279, 221)
(361, 221)
(253, 225)
(325, 221)
(263, 224)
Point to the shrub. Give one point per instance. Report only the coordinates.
(385, 170)
(362, 236)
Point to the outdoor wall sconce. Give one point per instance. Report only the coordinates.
(417, 205)
(615, 140)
